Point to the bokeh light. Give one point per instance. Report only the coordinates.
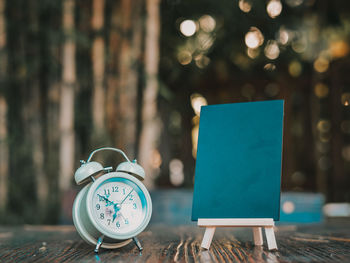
(272, 89)
(283, 36)
(156, 159)
(294, 3)
(245, 5)
(194, 134)
(184, 57)
(288, 207)
(321, 90)
(204, 41)
(241, 60)
(253, 52)
(295, 68)
(299, 44)
(254, 38)
(176, 171)
(324, 125)
(274, 8)
(207, 23)
(270, 67)
(339, 49)
(188, 28)
(346, 153)
(321, 64)
(345, 98)
(272, 50)
(202, 61)
(175, 122)
(197, 101)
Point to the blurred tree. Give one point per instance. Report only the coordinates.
(124, 73)
(50, 35)
(98, 66)
(4, 152)
(150, 131)
(129, 73)
(4, 149)
(33, 107)
(67, 143)
(115, 38)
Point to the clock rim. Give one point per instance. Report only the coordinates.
(148, 212)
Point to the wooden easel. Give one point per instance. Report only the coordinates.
(255, 223)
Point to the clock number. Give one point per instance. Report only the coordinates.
(107, 192)
(98, 206)
(134, 205)
(102, 216)
(123, 191)
(117, 224)
(126, 221)
(115, 189)
(131, 197)
(100, 198)
(109, 221)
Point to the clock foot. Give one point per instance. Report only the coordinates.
(137, 243)
(99, 243)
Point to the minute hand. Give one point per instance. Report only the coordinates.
(126, 197)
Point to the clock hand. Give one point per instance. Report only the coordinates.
(115, 215)
(126, 197)
(117, 207)
(116, 210)
(106, 199)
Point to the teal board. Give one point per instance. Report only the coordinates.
(239, 159)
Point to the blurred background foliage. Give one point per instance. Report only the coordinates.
(76, 75)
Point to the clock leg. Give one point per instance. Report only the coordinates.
(137, 243)
(99, 243)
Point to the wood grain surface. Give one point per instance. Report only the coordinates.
(314, 243)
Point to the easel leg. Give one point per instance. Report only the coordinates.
(208, 237)
(258, 238)
(270, 237)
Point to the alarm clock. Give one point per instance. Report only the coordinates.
(114, 207)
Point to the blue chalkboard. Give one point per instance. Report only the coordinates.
(239, 159)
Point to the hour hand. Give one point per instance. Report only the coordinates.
(106, 199)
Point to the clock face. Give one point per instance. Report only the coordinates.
(119, 206)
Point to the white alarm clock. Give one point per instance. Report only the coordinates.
(114, 207)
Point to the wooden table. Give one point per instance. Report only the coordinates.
(316, 243)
